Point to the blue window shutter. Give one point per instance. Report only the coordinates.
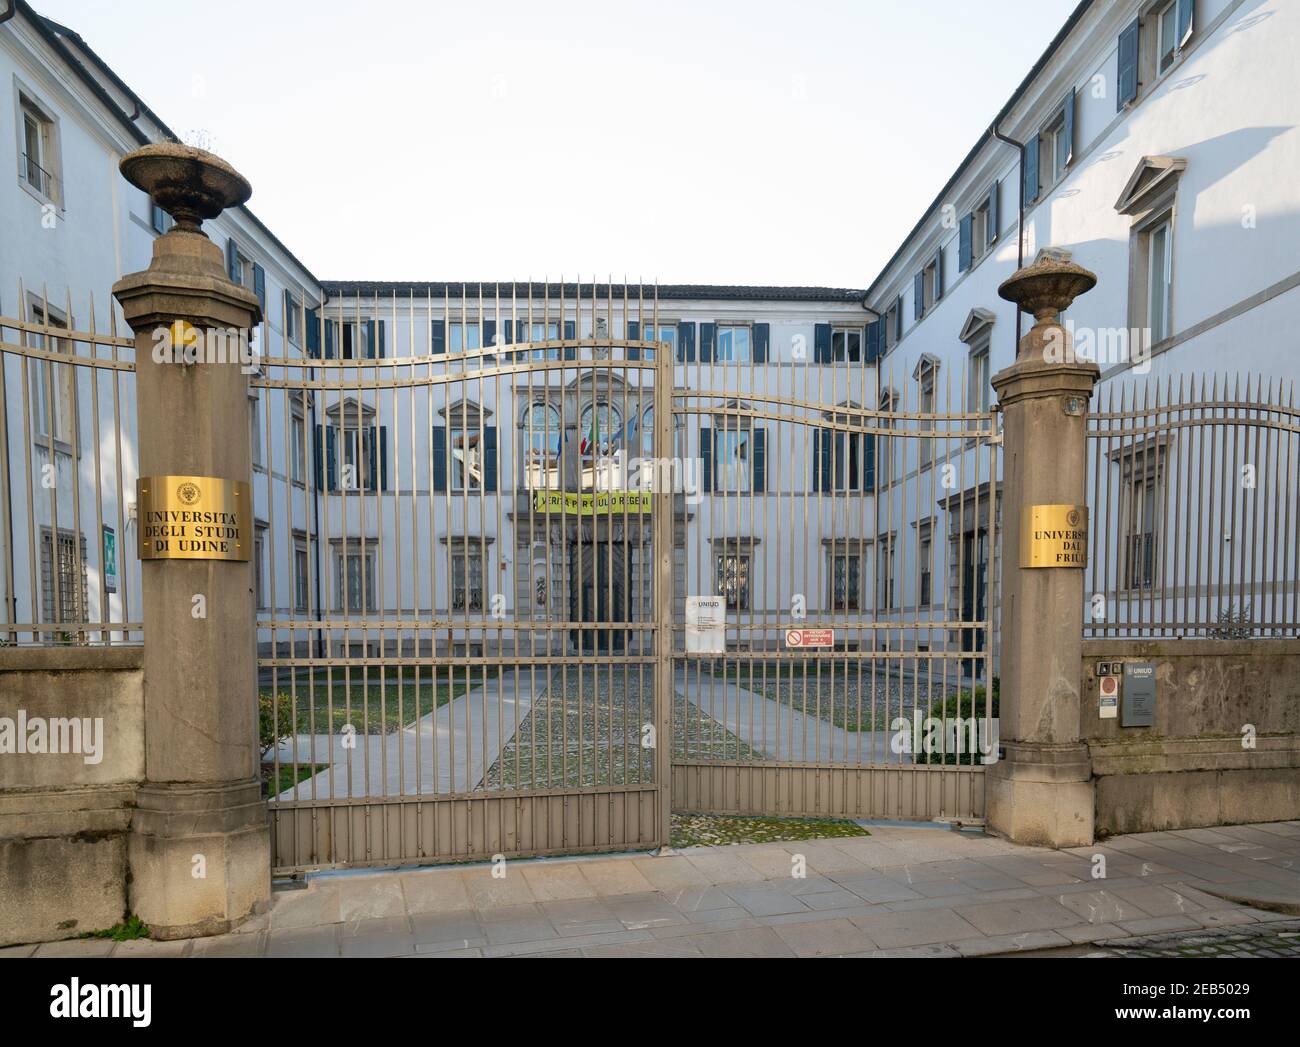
(706, 342)
(758, 460)
(372, 342)
(232, 260)
(938, 274)
(329, 339)
(319, 454)
(570, 334)
(259, 286)
(383, 458)
(762, 336)
(489, 458)
(633, 335)
(331, 460)
(918, 295)
(1069, 127)
(1127, 74)
(686, 342)
(964, 243)
(821, 343)
(313, 332)
(898, 319)
(439, 457)
(875, 330)
(706, 457)
(991, 233)
(822, 460)
(508, 332)
(438, 337)
(372, 456)
(288, 308)
(1186, 8)
(868, 462)
(1030, 170)
(489, 334)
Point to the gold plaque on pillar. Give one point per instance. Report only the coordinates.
(1054, 536)
(194, 518)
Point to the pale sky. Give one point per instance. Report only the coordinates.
(749, 143)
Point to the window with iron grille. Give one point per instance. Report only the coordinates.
(846, 581)
(63, 581)
(733, 580)
(467, 579)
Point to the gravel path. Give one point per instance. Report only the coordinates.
(587, 729)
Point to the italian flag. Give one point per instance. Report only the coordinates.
(592, 439)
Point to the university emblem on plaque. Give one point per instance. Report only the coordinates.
(188, 493)
(1072, 517)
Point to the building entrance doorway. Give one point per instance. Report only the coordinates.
(599, 580)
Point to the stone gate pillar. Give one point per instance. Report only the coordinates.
(1040, 791)
(199, 849)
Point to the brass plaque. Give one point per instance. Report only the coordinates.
(194, 518)
(1054, 536)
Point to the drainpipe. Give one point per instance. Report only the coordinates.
(315, 502)
(1020, 216)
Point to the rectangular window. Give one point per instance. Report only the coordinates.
(734, 345)
(38, 150)
(846, 582)
(977, 388)
(353, 458)
(301, 576)
(665, 332)
(259, 565)
(466, 459)
(290, 318)
(1159, 281)
(53, 388)
(731, 455)
(927, 568)
(1055, 148)
(255, 427)
(846, 345)
(63, 578)
(467, 579)
(885, 572)
(925, 450)
(464, 337)
(297, 440)
(354, 590)
(891, 325)
(1167, 29)
(732, 578)
(1141, 501)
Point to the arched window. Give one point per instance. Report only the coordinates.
(540, 435)
(600, 436)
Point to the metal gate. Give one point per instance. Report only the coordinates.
(856, 555)
(533, 557)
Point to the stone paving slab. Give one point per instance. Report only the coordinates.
(903, 891)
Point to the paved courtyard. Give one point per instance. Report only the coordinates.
(902, 891)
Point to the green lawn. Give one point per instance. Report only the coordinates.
(711, 830)
(373, 701)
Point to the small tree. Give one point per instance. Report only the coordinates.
(275, 720)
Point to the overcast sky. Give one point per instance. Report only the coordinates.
(755, 142)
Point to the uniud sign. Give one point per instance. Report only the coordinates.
(1054, 536)
(194, 518)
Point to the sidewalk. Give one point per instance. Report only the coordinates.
(902, 891)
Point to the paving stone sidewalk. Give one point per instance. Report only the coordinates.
(902, 891)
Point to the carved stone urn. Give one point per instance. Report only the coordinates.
(188, 183)
(1044, 289)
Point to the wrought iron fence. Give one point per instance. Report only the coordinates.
(68, 572)
(1194, 490)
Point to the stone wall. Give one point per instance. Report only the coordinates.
(65, 817)
(1192, 767)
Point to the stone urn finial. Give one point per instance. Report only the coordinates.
(188, 183)
(1045, 288)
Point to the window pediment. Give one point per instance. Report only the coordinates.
(1153, 177)
(978, 321)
